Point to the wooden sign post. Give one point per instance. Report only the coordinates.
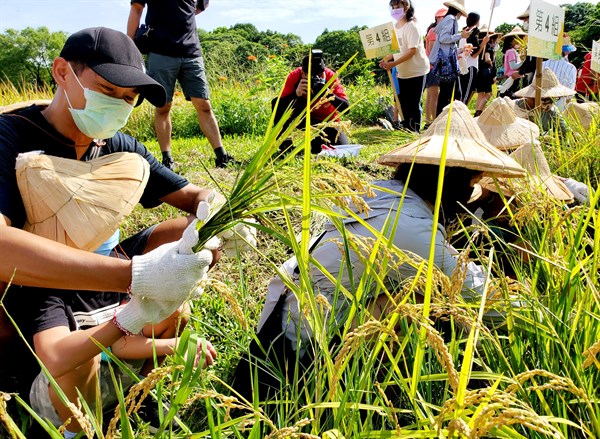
(544, 38)
(380, 41)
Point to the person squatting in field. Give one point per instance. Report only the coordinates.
(62, 297)
(295, 93)
(402, 210)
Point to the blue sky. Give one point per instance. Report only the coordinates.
(306, 18)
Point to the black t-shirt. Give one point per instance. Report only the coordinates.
(28, 130)
(173, 27)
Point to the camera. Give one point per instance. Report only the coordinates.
(317, 81)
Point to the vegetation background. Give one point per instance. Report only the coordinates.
(537, 377)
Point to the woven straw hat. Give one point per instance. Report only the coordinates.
(459, 5)
(585, 113)
(550, 87)
(484, 30)
(524, 15)
(466, 146)
(516, 32)
(503, 129)
(80, 204)
(532, 158)
(8, 109)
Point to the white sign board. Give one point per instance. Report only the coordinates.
(546, 24)
(595, 56)
(379, 41)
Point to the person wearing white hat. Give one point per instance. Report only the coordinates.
(445, 50)
(402, 212)
(547, 116)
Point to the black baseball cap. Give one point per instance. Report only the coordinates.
(114, 56)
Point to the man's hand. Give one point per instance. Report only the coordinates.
(140, 311)
(171, 271)
(302, 88)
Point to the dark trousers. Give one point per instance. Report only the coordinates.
(445, 96)
(468, 84)
(410, 101)
(330, 135)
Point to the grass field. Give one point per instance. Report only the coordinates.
(536, 377)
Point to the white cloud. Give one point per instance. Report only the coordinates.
(306, 18)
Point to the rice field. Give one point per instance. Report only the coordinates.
(444, 374)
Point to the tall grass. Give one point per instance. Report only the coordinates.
(537, 376)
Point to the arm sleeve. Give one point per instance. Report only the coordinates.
(340, 99)
(445, 31)
(291, 82)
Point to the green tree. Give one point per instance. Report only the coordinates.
(26, 56)
(504, 28)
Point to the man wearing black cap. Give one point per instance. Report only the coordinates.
(174, 54)
(100, 78)
(295, 94)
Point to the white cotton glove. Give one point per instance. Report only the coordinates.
(579, 190)
(171, 271)
(140, 311)
(239, 238)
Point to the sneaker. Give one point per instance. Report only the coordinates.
(168, 162)
(148, 414)
(225, 160)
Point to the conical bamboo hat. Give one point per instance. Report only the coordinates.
(467, 147)
(77, 203)
(7, 109)
(516, 32)
(503, 129)
(532, 158)
(584, 112)
(550, 87)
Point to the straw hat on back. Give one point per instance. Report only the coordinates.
(8, 109)
(550, 87)
(503, 129)
(459, 5)
(467, 147)
(77, 203)
(532, 158)
(516, 32)
(585, 113)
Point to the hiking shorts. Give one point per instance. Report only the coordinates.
(190, 73)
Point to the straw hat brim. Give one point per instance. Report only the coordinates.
(458, 6)
(509, 136)
(460, 152)
(8, 109)
(466, 146)
(557, 91)
(80, 204)
(585, 112)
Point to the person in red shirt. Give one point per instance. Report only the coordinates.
(587, 81)
(332, 102)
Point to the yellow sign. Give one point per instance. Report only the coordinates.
(595, 56)
(379, 41)
(546, 24)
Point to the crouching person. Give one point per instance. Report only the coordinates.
(408, 199)
(60, 207)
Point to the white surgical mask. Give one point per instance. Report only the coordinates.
(102, 115)
(397, 14)
(526, 26)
